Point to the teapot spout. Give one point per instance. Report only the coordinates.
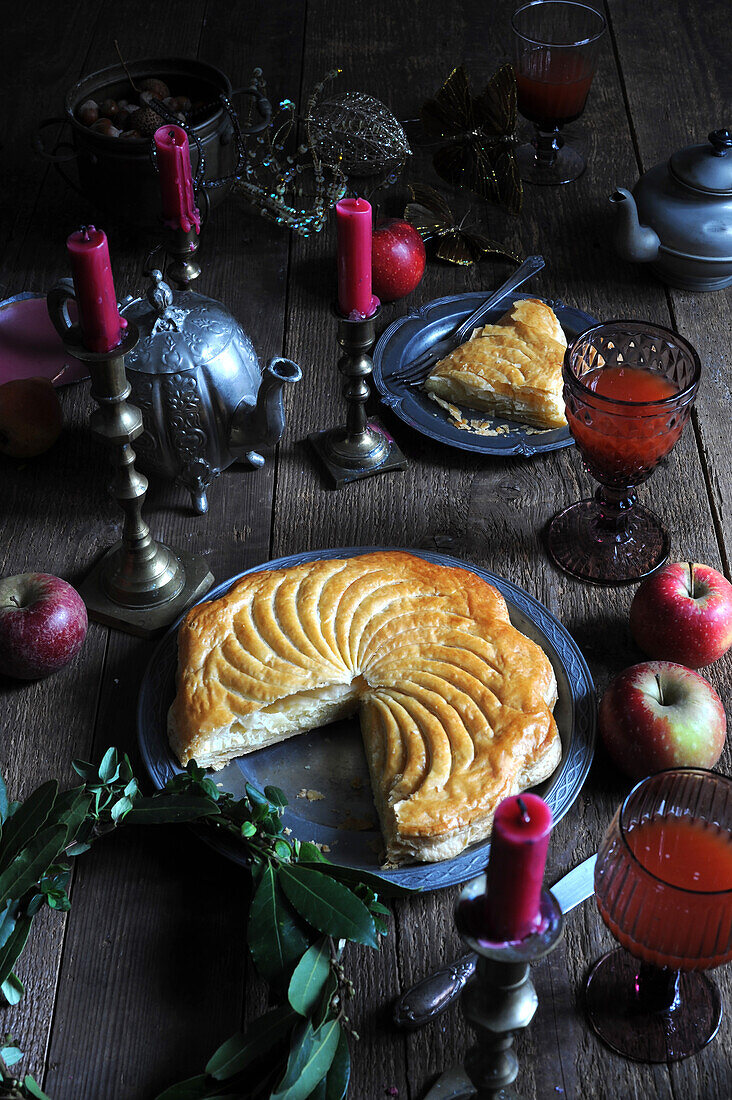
(634, 242)
(262, 425)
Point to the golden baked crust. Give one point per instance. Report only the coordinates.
(455, 703)
(512, 369)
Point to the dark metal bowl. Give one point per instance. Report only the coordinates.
(116, 175)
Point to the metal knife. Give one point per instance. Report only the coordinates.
(433, 994)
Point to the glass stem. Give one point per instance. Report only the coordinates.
(547, 146)
(615, 508)
(657, 990)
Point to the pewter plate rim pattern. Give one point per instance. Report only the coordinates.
(576, 689)
(413, 334)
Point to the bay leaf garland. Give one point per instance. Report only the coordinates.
(309, 978)
(303, 912)
(238, 1052)
(310, 1059)
(275, 941)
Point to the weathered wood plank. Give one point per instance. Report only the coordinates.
(140, 1002)
(172, 912)
(494, 510)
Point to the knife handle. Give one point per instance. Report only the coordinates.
(430, 997)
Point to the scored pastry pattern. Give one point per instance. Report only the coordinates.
(578, 734)
(455, 703)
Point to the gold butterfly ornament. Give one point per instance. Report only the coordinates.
(479, 153)
(433, 219)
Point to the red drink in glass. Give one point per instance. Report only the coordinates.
(552, 87)
(663, 883)
(631, 434)
(628, 391)
(556, 46)
(667, 917)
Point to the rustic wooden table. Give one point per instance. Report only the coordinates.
(149, 972)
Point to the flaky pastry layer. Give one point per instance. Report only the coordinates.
(455, 704)
(512, 369)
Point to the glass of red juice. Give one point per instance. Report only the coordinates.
(556, 45)
(663, 884)
(629, 387)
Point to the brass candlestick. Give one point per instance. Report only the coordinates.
(140, 585)
(362, 447)
(182, 246)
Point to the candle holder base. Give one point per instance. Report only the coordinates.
(501, 998)
(143, 621)
(347, 460)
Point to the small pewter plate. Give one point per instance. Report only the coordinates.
(329, 763)
(410, 336)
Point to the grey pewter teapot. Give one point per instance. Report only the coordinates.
(679, 217)
(196, 379)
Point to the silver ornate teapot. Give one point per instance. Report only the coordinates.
(679, 217)
(196, 379)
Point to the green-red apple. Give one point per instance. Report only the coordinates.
(661, 715)
(683, 613)
(30, 417)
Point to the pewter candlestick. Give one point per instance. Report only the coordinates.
(500, 999)
(362, 446)
(140, 585)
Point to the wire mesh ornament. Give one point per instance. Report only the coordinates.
(358, 133)
(291, 186)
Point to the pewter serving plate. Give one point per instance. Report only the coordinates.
(410, 336)
(330, 761)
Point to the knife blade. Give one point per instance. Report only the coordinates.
(433, 994)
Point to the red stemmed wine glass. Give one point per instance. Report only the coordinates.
(629, 387)
(663, 883)
(556, 45)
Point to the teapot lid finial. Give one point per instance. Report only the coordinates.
(159, 294)
(708, 167)
(721, 141)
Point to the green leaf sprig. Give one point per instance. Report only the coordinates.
(304, 911)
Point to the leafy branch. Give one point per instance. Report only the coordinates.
(304, 910)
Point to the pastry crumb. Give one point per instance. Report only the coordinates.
(481, 427)
(324, 848)
(311, 795)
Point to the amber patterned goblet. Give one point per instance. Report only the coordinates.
(663, 883)
(629, 387)
(556, 44)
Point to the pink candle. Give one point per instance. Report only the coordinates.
(101, 325)
(176, 180)
(353, 222)
(519, 843)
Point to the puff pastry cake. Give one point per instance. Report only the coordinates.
(455, 703)
(512, 369)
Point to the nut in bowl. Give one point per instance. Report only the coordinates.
(112, 154)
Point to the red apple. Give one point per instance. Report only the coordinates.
(42, 624)
(661, 715)
(398, 259)
(683, 613)
(30, 417)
